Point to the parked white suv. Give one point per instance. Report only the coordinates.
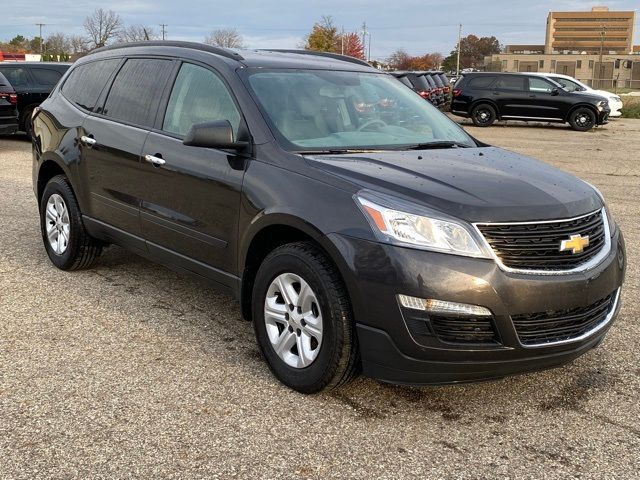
(573, 85)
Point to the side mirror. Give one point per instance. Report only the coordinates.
(217, 134)
(555, 91)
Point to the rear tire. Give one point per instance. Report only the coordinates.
(483, 115)
(328, 339)
(582, 119)
(27, 124)
(66, 241)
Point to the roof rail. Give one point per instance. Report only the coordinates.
(223, 52)
(335, 56)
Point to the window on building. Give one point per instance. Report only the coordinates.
(553, 65)
(516, 65)
(541, 64)
(590, 63)
(579, 64)
(504, 65)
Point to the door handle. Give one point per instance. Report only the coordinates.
(532, 96)
(155, 159)
(88, 140)
(496, 93)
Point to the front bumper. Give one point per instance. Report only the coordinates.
(375, 273)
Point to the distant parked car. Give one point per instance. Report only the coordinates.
(8, 110)
(572, 85)
(487, 97)
(417, 83)
(32, 81)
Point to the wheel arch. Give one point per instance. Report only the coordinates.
(581, 105)
(49, 168)
(488, 102)
(268, 233)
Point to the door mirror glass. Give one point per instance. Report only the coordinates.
(216, 134)
(555, 91)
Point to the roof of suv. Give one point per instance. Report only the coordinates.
(37, 64)
(255, 58)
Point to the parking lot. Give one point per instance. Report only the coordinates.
(132, 370)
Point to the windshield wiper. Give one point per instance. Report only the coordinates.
(430, 145)
(332, 151)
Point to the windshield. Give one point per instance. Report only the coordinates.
(332, 110)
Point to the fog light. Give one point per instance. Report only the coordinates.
(440, 306)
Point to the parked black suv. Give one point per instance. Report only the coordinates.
(359, 227)
(32, 82)
(8, 110)
(487, 97)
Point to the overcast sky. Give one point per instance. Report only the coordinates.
(418, 26)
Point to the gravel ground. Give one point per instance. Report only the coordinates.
(131, 370)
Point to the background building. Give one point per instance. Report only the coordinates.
(573, 46)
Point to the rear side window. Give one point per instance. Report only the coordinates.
(511, 83)
(198, 96)
(84, 84)
(406, 81)
(17, 76)
(481, 81)
(136, 90)
(46, 76)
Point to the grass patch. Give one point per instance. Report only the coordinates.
(630, 107)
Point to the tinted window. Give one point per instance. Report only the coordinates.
(45, 76)
(198, 96)
(540, 85)
(511, 83)
(136, 90)
(17, 76)
(481, 81)
(405, 80)
(437, 80)
(85, 82)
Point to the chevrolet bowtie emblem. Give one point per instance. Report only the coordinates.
(576, 244)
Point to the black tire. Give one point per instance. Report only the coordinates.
(582, 119)
(483, 115)
(337, 361)
(27, 124)
(81, 250)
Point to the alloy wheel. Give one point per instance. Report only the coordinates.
(293, 320)
(58, 225)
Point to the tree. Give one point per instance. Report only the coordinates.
(102, 26)
(78, 44)
(472, 52)
(401, 60)
(137, 33)
(35, 44)
(350, 44)
(19, 44)
(226, 38)
(57, 43)
(324, 37)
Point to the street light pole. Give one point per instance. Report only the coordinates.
(602, 34)
(40, 36)
(459, 41)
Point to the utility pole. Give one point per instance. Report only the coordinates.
(40, 36)
(459, 41)
(602, 35)
(364, 35)
(163, 25)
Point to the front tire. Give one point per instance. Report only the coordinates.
(483, 115)
(66, 241)
(582, 119)
(302, 319)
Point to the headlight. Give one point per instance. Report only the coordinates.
(603, 103)
(404, 224)
(615, 99)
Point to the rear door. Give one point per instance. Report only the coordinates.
(112, 141)
(190, 202)
(511, 95)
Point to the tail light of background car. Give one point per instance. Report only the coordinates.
(457, 92)
(11, 97)
(424, 94)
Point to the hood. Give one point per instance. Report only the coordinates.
(592, 95)
(475, 184)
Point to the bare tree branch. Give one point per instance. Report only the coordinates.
(226, 37)
(102, 26)
(137, 33)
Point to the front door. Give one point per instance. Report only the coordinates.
(191, 195)
(543, 102)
